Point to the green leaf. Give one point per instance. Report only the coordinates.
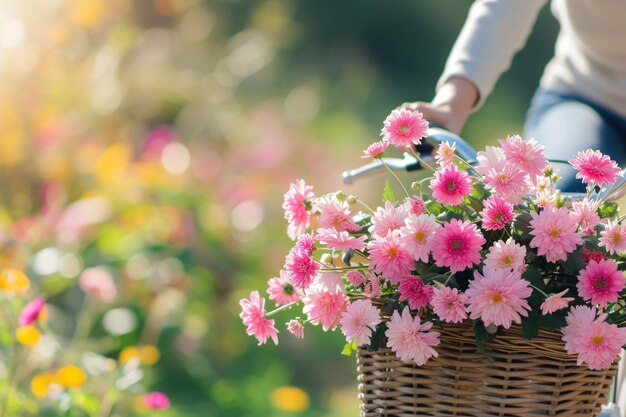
(347, 256)
(377, 338)
(530, 325)
(574, 262)
(347, 349)
(555, 320)
(608, 209)
(533, 276)
(482, 336)
(388, 194)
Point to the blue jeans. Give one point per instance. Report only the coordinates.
(566, 124)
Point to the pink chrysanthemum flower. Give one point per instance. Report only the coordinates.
(593, 166)
(388, 218)
(595, 255)
(296, 328)
(372, 287)
(509, 182)
(414, 290)
(596, 342)
(253, 316)
(449, 304)
(554, 232)
(335, 214)
(281, 290)
(324, 307)
(545, 198)
(389, 257)
(410, 339)
(445, 153)
(417, 235)
(613, 237)
(600, 282)
(498, 297)
(404, 128)
(458, 245)
(330, 281)
(31, 311)
(450, 185)
(497, 213)
(359, 320)
(300, 266)
(506, 255)
(343, 241)
(376, 149)
(297, 205)
(416, 206)
(585, 213)
(525, 154)
(305, 243)
(491, 159)
(355, 277)
(555, 302)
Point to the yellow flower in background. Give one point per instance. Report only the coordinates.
(149, 354)
(113, 163)
(13, 282)
(71, 376)
(291, 399)
(40, 383)
(28, 335)
(146, 355)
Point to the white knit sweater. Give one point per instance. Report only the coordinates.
(590, 53)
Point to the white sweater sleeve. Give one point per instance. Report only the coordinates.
(493, 32)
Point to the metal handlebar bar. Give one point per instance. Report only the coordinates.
(438, 135)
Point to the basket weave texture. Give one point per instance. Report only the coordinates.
(513, 377)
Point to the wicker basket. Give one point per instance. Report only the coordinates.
(514, 377)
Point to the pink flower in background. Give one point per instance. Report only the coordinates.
(359, 320)
(613, 237)
(389, 257)
(404, 128)
(343, 241)
(525, 154)
(98, 283)
(305, 243)
(410, 339)
(506, 255)
(458, 245)
(554, 232)
(330, 281)
(600, 282)
(596, 342)
(375, 150)
(498, 297)
(417, 235)
(31, 311)
(416, 206)
(296, 328)
(491, 159)
(497, 213)
(253, 316)
(555, 302)
(281, 291)
(412, 288)
(355, 277)
(372, 287)
(450, 185)
(509, 182)
(388, 218)
(592, 255)
(585, 213)
(449, 304)
(445, 153)
(594, 166)
(545, 198)
(156, 401)
(335, 214)
(297, 205)
(324, 307)
(300, 267)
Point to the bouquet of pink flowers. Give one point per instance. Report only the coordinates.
(492, 243)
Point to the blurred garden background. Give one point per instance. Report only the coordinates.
(145, 146)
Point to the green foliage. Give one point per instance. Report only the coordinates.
(388, 194)
(608, 209)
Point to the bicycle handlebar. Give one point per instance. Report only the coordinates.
(438, 135)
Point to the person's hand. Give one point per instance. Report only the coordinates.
(451, 106)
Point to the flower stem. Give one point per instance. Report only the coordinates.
(396, 177)
(545, 295)
(281, 308)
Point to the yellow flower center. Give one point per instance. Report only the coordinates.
(404, 129)
(420, 236)
(393, 251)
(554, 233)
(496, 298)
(616, 238)
(597, 340)
(506, 260)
